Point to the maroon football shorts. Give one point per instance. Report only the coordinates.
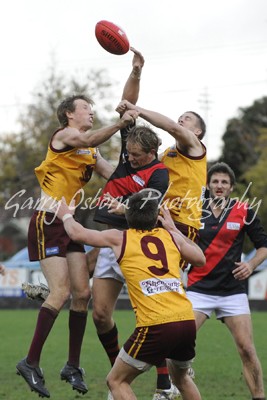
(47, 237)
(153, 344)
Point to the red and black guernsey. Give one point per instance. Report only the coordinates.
(127, 180)
(221, 239)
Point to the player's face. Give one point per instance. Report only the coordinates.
(83, 116)
(137, 156)
(220, 185)
(190, 121)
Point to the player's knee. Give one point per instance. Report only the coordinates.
(100, 317)
(111, 381)
(62, 294)
(81, 296)
(248, 353)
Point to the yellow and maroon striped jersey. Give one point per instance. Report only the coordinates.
(149, 261)
(187, 184)
(65, 172)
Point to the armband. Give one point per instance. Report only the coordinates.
(135, 74)
(66, 216)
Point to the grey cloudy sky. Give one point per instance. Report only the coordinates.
(207, 56)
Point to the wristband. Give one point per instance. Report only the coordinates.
(136, 74)
(66, 216)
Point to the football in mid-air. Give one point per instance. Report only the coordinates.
(111, 37)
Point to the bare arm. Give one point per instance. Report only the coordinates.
(103, 167)
(184, 137)
(73, 137)
(109, 238)
(188, 249)
(244, 269)
(132, 85)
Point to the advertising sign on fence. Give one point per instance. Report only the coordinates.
(10, 283)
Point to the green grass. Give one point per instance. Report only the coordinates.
(217, 365)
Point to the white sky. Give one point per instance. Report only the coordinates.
(209, 56)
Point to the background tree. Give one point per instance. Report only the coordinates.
(245, 150)
(241, 139)
(257, 175)
(241, 148)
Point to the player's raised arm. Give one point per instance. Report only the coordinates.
(132, 85)
(185, 131)
(190, 251)
(75, 138)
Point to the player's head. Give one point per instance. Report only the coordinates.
(76, 108)
(221, 180)
(142, 210)
(193, 122)
(223, 168)
(142, 146)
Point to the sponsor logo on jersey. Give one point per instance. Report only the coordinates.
(52, 251)
(138, 180)
(172, 154)
(83, 151)
(233, 226)
(154, 286)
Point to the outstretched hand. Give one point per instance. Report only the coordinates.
(129, 116)
(166, 219)
(114, 206)
(138, 60)
(125, 105)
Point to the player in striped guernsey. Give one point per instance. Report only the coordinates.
(187, 165)
(70, 161)
(148, 257)
(220, 285)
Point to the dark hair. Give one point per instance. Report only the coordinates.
(223, 168)
(142, 210)
(145, 136)
(68, 105)
(202, 124)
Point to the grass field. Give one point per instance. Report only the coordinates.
(217, 365)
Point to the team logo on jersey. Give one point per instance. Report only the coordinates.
(83, 151)
(233, 226)
(138, 180)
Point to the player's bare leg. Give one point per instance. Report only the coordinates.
(241, 328)
(119, 380)
(184, 382)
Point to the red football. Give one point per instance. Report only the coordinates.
(111, 37)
